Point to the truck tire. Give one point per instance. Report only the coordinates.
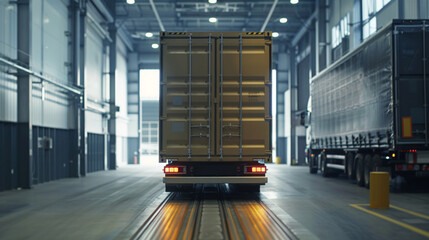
(351, 174)
(367, 169)
(376, 162)
(324, 169)
(171, 188)
(313, 170)
(359, 165)
(246, 187)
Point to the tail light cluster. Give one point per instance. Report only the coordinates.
(411, 167)
(409, 150)
(255, 169)
(174, 170)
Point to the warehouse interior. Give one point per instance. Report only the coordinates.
(79, 88)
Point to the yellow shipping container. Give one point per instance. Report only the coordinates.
(215, 96)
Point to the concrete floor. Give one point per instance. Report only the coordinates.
(103, 204)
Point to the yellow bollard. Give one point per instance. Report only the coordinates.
(379, 190)
(278, 160)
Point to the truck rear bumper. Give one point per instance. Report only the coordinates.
(223, 179)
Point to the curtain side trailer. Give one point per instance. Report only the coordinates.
(369, 110)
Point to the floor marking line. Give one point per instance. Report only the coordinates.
(404, 225)
(410, 212)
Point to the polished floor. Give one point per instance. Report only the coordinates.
(106, 205)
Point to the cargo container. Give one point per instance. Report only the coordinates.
(368, 111)
(215, 108)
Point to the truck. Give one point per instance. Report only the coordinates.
(368, 111)
(215, 109)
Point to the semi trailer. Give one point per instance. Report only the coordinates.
(368, 111)
(215, 108)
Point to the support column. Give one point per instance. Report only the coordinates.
(112, 119)
(79, 164)
(134, 109)
(24, 139)
(81, 82)
(282, 86)
(293, 94)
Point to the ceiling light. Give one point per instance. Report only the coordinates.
(283, 20)
(149, 34)
(212, 1)
(275, 34)
(212, 20)
(294, 1)
(155, 45)
(131, 1)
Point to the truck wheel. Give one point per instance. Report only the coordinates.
(323, 167)
(376, 162)
(170, 188)
(359, 169)
(313, 170)
(246, 187)
(367, 169)
(351, 174)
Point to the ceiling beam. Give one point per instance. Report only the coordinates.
(157, 16)
(269, 15)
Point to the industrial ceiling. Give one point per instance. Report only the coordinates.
(139, 17)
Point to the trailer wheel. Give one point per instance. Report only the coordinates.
(367, 169)
(245, 187)
(359, 169)
(170, 188)
(376, 162)
(313, 170)
(323, 167)
(351, 174)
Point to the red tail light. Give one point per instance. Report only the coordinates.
(174, 170)
(256, 169)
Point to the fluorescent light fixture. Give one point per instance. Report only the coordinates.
(155, 45)
(275, 34)
(149, 34)
(294, 1)
(283, 20)
(131, 1)
(212, 20)
(212, 1)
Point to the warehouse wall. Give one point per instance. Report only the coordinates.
(96, 60)
(53, 120)
(8, 49)
(49, 55)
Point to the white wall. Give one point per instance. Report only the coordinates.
(8, 46)
(49, 56)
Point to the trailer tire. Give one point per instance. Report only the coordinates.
(246, 187)
(324, 169)
(367, 169)
(351, 174)
(170, 188)
(376, 162)
(359, 165)
(313, 170)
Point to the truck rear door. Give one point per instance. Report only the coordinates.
(411, 43)
(215, 96)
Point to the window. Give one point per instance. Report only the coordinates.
(369, 19)
(150, 138)
(341, 30)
